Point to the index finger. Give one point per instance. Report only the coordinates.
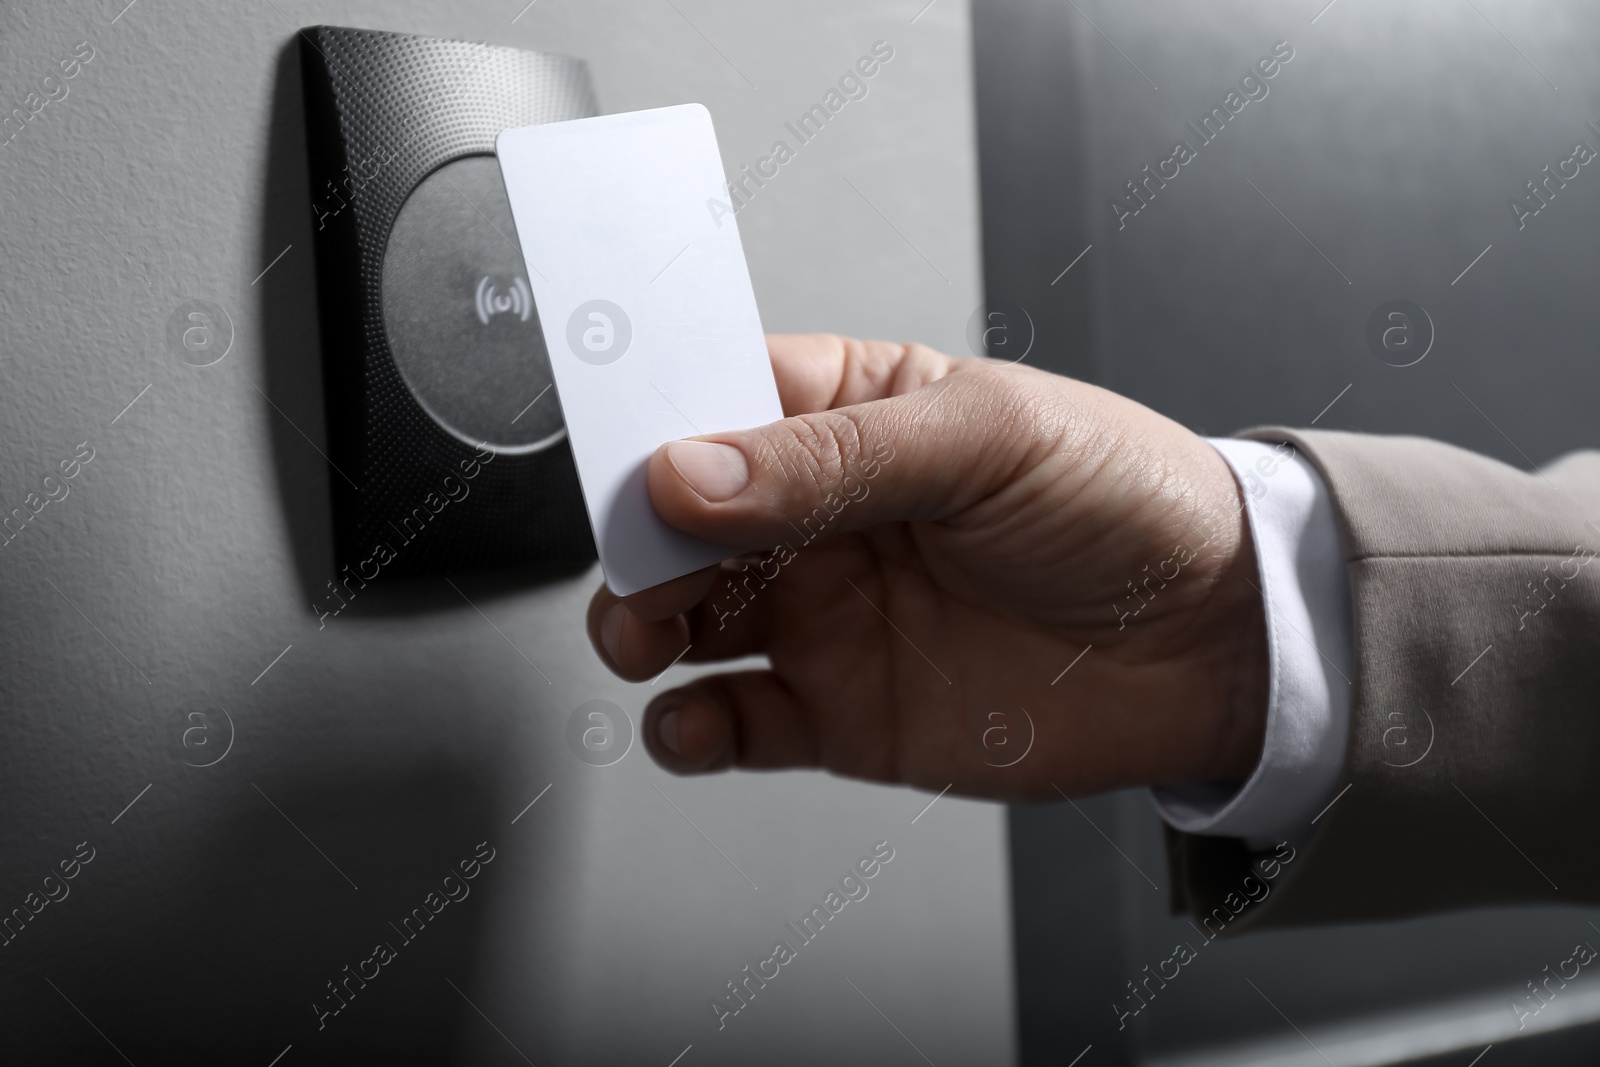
(819, 371)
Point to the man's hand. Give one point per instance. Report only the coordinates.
(942, 539)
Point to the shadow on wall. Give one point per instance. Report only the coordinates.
(295, 405)
(290, 343)
(222, 947)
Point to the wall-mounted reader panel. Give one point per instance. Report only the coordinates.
(445, 434)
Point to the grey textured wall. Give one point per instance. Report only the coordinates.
(371, 755)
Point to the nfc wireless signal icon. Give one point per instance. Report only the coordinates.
(515, 300)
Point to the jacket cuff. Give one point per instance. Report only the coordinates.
(1472, 735)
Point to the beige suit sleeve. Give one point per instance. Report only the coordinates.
(1473, 768)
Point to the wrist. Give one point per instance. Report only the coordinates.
(1241, 668)
(1203, 709)
(1232, 652)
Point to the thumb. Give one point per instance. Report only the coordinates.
(925, 455)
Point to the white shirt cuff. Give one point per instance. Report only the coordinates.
(1306, 597)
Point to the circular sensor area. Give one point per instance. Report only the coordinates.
(459, 314)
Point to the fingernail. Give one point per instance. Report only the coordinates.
(667, 730)
(717, 472)
(611, 631)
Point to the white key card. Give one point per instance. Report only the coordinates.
(645, 300)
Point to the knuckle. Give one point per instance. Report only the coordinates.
(925, 358)
(916, 366)
(1028, 415)
(817, 448)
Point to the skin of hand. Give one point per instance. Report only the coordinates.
(943, 538)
